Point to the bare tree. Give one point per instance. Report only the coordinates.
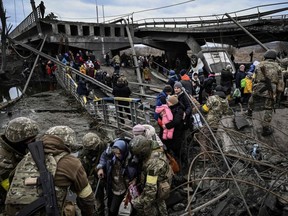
(4, 34)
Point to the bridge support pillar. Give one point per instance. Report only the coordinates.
(193, 45)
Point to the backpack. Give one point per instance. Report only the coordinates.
(24, 189)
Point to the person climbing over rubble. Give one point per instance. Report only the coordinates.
(267, 84)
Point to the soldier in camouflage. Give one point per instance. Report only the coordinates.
(268, 76)
(156, 175)
(66, 169)
(13, 145)
(89, 156)
(215, 107)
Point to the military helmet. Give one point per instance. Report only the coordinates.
(140, 146)
(270, 54)
(91, 141)
(63, 132)
(20, 129)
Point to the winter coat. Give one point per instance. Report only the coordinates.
(248, 86)
(161, 99)
(167, 117)
(208, 84)
(239, 76)
(128, 168)
(121, 90)
(178, 124)
(226, 80)
(186, 83)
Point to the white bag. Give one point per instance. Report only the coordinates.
(197, 123)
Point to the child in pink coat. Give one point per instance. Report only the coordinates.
(167, 116)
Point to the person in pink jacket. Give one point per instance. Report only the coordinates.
(167, 116)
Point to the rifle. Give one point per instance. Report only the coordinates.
(48, 199)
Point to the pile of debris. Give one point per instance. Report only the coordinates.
(245, 174)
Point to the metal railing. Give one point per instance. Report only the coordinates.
(27, 22)
(245, 15)
(107, 111)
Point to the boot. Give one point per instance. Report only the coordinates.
(267, 131)
(249, 113)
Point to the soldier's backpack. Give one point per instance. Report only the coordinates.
(26, 193)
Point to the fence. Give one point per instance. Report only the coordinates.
(108, 111)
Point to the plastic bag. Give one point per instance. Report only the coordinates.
(236, 93)
(243, 83)
(197, 123)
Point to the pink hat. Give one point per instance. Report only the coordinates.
(138, 129)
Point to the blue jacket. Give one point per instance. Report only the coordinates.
(107, 160)
(161, 99)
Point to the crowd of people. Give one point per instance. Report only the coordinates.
(138, 171)
(128, 170)
(190, 91)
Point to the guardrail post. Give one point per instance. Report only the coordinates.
(146, 108)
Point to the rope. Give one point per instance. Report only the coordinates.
(24, 57)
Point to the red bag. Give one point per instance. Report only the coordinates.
(159, 122)
(173, 163)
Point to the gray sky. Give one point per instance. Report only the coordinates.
(85, 10)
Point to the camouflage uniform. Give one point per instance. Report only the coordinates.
(13, 143)
(215, 108)
(67, 171)
(274, 74)
(89, 156)
(155, 171)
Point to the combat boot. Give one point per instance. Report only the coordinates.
(249, 112)
(267, 131)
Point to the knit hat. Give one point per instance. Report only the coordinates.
(173, 99)
(167, 88)
(249, 74)
(138, 129)
(182, 72)
(172, 73)
(178, 85)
